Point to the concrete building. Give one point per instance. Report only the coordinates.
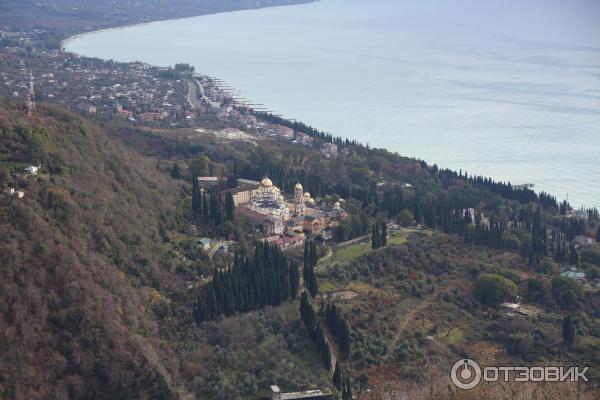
(204, 243)
(315, 394)
(209, 181)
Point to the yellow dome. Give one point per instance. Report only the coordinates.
(298, 186)
(306, 194)
(266, 182)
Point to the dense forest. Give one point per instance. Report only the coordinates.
(79, 256)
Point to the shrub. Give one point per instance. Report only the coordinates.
(492, 289)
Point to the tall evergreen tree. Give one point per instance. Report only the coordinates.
(306, 265)
(573, 255)
(326, 353)
(344, 338)
(196, 198)
(249, 284)
(306, 312)
(337, 376)
(204, 209)
(313, 286)
(598, 235)
(294, 280)
(568, 330)
(175, 171)
(310, 261)
(375, 237)
(314, 258)
(229, 206)
(383, 235)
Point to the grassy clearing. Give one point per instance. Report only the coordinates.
(452, 335)
(344, 255)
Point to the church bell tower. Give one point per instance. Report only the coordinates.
(298, 199)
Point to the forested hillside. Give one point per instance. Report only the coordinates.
(94, 296)
(81, 257)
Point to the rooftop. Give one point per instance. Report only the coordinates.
(307, 394)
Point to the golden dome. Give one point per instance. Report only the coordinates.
(306, 194)
(266, 182)
(298, 186)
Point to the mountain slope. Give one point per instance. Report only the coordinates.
(81, 263)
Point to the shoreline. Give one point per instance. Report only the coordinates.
(68, 41)
(64, 42)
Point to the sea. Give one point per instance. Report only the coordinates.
(502, 88)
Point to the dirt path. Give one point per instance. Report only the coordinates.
(326, 256)
(408, 318)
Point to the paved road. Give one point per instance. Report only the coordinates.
(192, 97)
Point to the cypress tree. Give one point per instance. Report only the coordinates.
(204, 208)
(314, 258)
(574, 255)
(337, 376)
(294, 280)
(344, 337)
(383, 234)
(196, 200)
(307, 312)
(375, 237)
(229, 206)
(305, 271)
(175, 171)
(248, 284)
(326, 353)
(598, 235)
(313, 286)
(568, 330)
(310, 260)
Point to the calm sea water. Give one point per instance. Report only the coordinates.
(507, 89)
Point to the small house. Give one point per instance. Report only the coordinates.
(514, 308)
(315, 394)
(577, 275)
(204, 243)
(32, 170)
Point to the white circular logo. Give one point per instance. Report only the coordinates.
(466, 374)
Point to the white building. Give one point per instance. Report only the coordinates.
(32, 169)
(268, 200)
(298, 199)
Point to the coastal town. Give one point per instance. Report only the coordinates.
(136, 94)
